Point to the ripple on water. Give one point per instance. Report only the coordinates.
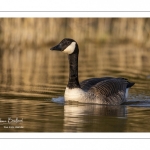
(58, 100)
(139, 101)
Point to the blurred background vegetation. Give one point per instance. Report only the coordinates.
(104, 42)
(43, 31)
(31, 75)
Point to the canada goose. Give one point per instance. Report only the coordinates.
(106, 90)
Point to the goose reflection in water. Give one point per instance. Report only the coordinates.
(94, 117)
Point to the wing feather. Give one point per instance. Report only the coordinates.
(107, 90)
(88, 83)
(111, 91)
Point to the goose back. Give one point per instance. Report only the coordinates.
(88, 83)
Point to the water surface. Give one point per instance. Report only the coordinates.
(32, 79)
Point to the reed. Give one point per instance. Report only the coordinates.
(42, 31)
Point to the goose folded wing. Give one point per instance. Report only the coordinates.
(110, 91)
(88, 83)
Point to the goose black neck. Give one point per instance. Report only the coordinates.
(73, 70)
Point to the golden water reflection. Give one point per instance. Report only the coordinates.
(36, 69)
(31, 77)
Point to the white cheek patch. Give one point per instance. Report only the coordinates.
(70, 49)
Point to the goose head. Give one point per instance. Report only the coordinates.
(67, 45)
